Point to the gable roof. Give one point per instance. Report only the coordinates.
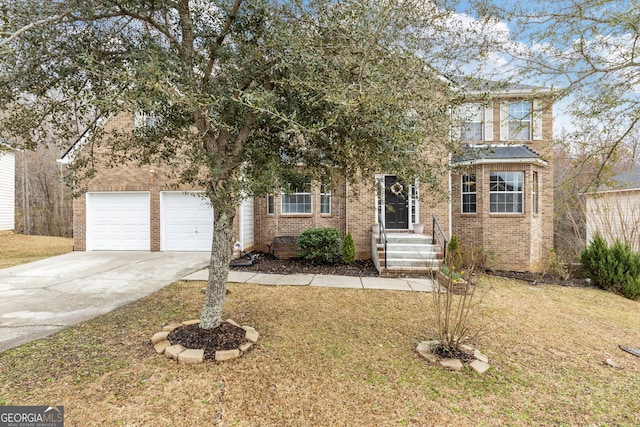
(627, 180)
(481, 154)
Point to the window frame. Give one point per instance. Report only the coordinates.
(518, 121)
(271, 204)
(470, 125)
(286, 203)
(325, 199)
(466, 190)
(500, 197)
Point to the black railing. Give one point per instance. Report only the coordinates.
(383, 238)
(441, 238)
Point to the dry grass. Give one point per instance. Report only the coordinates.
(342, 357)
(19, 249)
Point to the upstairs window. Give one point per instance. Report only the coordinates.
(506, 192)
(297, 200)
(469, 195)
(519, 121)
(472, 122)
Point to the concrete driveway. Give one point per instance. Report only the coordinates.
(43, 297)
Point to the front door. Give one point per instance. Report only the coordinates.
(396, 207)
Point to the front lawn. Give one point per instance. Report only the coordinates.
(343, 357)
(19, 249)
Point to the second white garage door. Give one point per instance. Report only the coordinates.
(186, 222)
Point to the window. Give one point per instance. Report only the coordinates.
(271, 204)
(472, 122)
(534, 193)
(325, 199)
(468, 194)
(142, 120)
(297, 201)
(520, 120)
(505, 192)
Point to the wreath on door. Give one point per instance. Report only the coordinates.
(397, 189)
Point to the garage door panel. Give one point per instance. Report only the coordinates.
(187, 222)
(118, 221)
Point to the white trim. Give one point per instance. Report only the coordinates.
(488, 122)
(537, 161)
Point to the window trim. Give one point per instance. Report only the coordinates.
(465, 184)
(297, 193)
(271, 204)
(472, 110)
(513, 133)
(535, 193)
(325, 192)
(505, 192)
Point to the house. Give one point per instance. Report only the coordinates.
(500, 188)
(7, 188)
(614, 210)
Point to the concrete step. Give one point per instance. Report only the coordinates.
(409, 263)
(415, 272)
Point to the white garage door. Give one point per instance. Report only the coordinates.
(118, 221)
(186, 222)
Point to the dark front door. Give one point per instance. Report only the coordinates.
(396, 205)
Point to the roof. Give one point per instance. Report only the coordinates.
(474, 154)
(627, 180)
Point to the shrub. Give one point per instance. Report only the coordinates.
(616, 267)
(320, 245)
(594, 261)
(454, 256)
(349, 250)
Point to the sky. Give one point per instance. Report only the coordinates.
(608, 44)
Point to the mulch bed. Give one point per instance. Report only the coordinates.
(224, 337)
(264, 263)
(543, 279)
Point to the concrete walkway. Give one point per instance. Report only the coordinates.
(418, 285)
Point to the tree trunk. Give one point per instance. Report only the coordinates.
(221, 251)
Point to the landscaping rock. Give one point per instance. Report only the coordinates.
(171, 327)
(161, 346)
(191, 322)
(222, 355)
(611, 363)
(248, 328)
(246, 346)
(232, 322)
(174, 351)
(252, 335)
(191, 356)
(159, 337)
(453, 364)
(479, 366)
(481, 357)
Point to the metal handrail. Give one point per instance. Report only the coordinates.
(383, 238)
(444, 242)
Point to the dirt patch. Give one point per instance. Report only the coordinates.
(543, 279)
(224, 337)
(264, 263)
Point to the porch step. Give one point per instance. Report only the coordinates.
(408, 255)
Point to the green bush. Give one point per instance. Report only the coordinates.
(320, 245)
(612, 268)
(349, 250)
(454, 256)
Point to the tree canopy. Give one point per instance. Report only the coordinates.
(241, 92)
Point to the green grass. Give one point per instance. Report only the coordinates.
(343, 357)
(18, 249)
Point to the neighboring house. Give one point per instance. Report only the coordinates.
(7, 189)
(614, 210)
(501, 198)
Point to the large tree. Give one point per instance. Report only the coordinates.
(241, 92)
